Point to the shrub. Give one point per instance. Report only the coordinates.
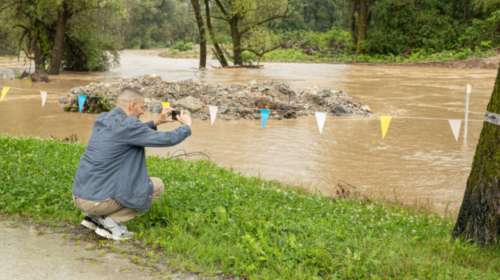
(179, 46)
(188, 46)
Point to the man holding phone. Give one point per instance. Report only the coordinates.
(112, 184)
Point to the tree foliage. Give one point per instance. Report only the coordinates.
(157, 23)
(87, 44)
(246, 19)
(94, 30)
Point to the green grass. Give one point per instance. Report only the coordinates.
(227, 223)
(296, 55)
(172, 53)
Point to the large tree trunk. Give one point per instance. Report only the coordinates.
(218, 51)
(201, 29)
(57, 51)
(236, 36)
(479, 218)
(363, 26)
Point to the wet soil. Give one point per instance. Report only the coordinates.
(29, 251)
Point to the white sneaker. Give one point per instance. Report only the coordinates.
(115, 232)
(91, 221)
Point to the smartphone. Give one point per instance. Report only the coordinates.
(175, 114)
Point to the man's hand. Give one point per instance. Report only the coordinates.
(184, 119)
(163, 116)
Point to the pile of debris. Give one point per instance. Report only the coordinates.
(37, 76)
(235, 102)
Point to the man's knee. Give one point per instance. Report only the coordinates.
(158, 188)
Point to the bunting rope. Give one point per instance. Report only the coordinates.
(270, 110)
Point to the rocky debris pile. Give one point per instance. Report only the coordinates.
(11, 74)
(236, 102)
(94, 103)
(37, 76)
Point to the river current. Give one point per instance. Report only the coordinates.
(419, 159)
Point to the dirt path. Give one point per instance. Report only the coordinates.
(26, 255)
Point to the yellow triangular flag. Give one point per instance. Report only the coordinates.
(385, 120)
(165, 105)
(4, 92)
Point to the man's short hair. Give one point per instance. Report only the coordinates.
(128, 95)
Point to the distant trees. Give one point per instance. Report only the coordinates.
(86, 34)
(156, 23)
(396, 26)
(63, 34)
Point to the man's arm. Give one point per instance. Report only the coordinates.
(141, 134)
(151, 125)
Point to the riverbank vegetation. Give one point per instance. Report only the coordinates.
(355, 30)
(245, 226)
(86, 35)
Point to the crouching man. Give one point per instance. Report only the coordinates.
(112, 184)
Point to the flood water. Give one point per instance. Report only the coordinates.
(419, 159)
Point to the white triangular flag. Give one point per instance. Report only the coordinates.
(213, 113)
(455, 127)
(320, 117)
(44, 97)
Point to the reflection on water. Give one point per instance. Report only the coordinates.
(419, 159)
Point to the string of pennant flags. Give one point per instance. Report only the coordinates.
(385, 121)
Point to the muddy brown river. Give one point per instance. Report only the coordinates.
(419, 159)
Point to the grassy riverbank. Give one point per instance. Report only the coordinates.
(298, 55)
(236, 225)
(463, 58)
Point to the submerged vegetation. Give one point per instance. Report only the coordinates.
(236, 225)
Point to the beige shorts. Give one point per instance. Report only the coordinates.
(112, 208)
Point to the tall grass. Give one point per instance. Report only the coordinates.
(237, 225)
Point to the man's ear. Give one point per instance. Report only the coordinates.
(131, 106)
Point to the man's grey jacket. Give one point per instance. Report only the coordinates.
(114, 162)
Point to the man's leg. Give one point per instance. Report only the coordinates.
(126, 214)
(102, 208)
(95, 210)
(111, 227)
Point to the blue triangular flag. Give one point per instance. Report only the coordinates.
(264, 115)
(81, 101)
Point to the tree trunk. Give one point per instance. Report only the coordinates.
(465, 10)
(353, 20)
(363, 26)
(201, 29)
(218, 52)
(39, 63)
(236, 36)
(479, 218)
(57, 51)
